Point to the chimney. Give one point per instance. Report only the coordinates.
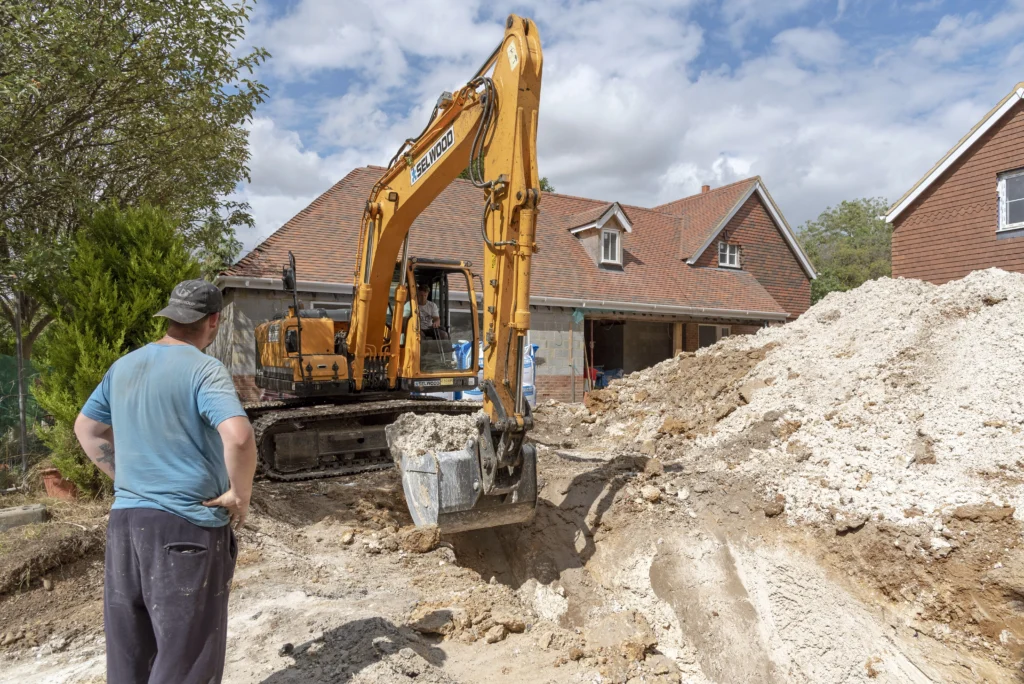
(704, 189)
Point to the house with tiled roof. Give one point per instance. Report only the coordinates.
(967, 212)
(614, 287)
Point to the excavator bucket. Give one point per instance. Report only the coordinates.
(447, 488)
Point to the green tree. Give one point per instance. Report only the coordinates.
(848, 245)
(126, 262)
(219, 247)
(115, 100)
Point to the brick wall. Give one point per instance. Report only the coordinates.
(690, 341)
(950, 230)
(765, 254)
(246, 387)
(559, 388)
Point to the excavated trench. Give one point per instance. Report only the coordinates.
(728, 601)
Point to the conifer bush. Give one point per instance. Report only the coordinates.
(126, 262)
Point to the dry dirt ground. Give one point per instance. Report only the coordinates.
(635, 569)
(837, 500)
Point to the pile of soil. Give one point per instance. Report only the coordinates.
(897, 401)
(417, 434)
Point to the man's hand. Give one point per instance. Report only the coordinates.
(238, 508)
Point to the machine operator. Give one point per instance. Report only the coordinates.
(430, 315)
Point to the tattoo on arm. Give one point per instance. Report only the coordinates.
(108, 455)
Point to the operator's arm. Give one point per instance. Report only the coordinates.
(240, 461)
(97, 440)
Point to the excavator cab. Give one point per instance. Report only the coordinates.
(431, 329)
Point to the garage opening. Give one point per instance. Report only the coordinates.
(617, 347)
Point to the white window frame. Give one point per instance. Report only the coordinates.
(1003, 209)
(731, 252)
(618, 247)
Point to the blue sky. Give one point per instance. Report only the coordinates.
(642, 102)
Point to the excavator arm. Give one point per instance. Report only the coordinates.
(489, 126)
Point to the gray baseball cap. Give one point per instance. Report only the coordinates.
(192, 300)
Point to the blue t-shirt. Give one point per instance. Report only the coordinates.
(165, 402)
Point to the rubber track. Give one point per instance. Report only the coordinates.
(268, 415)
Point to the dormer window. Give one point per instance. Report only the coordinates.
(611, 249)
(602, 231)
(728, 255)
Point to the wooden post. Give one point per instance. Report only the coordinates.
(572, 362)
(677, 338)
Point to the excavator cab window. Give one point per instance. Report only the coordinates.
(291, 341)
(437, 353)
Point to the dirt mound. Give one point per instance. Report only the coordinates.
(27, 553)
(901, 402)
(897, 401)
(684, 396)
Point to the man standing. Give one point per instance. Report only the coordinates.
(166, 424)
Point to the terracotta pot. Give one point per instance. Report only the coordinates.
(56, 486)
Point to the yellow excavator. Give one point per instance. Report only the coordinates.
(348, 374)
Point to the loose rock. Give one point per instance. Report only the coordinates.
(984, 512)
(495, 634)
(650, 493)
(419, 539)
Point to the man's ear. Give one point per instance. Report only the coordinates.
(214, 320)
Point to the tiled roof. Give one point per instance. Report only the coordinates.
(589, 215)
(323, 237)
(703, 213)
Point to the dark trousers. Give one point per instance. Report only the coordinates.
(165, 599)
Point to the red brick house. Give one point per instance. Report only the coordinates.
(967, 212)
(617, 286)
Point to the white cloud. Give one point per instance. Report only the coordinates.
(366, 36)
(625, 115)
(811, 45)
(280, 165)
(957, 35)
(743, 15)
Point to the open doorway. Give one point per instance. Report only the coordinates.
(605, 343)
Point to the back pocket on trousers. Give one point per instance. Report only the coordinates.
(184, 548)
